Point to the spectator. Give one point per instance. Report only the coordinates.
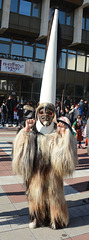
(85, 109)
(28, 113)
(81, 104)
(76, 112)
(15, 116)
(77, 128)
(10, 110)
(57, 108)
(20, 111)
(3, 114)
(80, 109)
(67, 101)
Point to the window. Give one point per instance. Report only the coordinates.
(28, 51)
(66, 18)
(40, 53)
(87, 65)
(26, 85)
(87, 24)
(78, 90)
(14, 85)
(83, 23)
(4, 48)
(14, 6)
(61, 17)
(36, 8)
(5, 39)
(69, 19)
(71, 61)
(85, 20)
(25, 7)
(16, 49)
(0, 4)
(62, 60)
(80, 63)
(3, 84)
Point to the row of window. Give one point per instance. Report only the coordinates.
(73, 60)
(15, 48)
(85, 20)
(33, 8)
(25, 7)
(67, 19)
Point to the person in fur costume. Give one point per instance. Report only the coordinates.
(44, 160)
(45, 154)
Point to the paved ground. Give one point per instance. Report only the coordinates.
(14, 215)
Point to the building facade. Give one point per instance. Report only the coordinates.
(23, 38)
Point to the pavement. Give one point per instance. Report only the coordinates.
(14, 213)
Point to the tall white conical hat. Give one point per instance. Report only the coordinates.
(48, 88)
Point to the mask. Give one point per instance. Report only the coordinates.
(46, 114)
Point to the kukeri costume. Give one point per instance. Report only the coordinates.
(44, 156)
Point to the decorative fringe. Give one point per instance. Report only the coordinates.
(23, 154)
(64, 154)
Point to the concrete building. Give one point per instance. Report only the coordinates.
(23, 37)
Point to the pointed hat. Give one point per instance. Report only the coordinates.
(48, 88)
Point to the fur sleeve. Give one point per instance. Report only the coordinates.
(64, 154)
(23, 154)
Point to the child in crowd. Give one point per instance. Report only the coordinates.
(77, 128)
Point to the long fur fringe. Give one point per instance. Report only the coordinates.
(64, 154)
(23, 154)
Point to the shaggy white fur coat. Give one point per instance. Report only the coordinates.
(44, 160)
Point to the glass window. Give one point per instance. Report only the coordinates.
(87, 65)
(40, 53)
(5, 39)
(71, 51)
(78, 90)
(87, 24)
(62, 60)
(0, 3)
(26, 85)
(17, 41)
(61, 17)
(25, 7)
(14, 6)
(41, 45)
(14, 85)
(36, 8)
(4, 48)
(70, 89)
(28, 51)
(68, 20)
(80, 63)
(71, 61)
(83, 23)
(3, 84)
(16, 49)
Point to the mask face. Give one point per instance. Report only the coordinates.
(46, 115)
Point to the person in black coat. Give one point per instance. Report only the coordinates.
(10, 108)
(3, 113)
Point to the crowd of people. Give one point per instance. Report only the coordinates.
(13, 112)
